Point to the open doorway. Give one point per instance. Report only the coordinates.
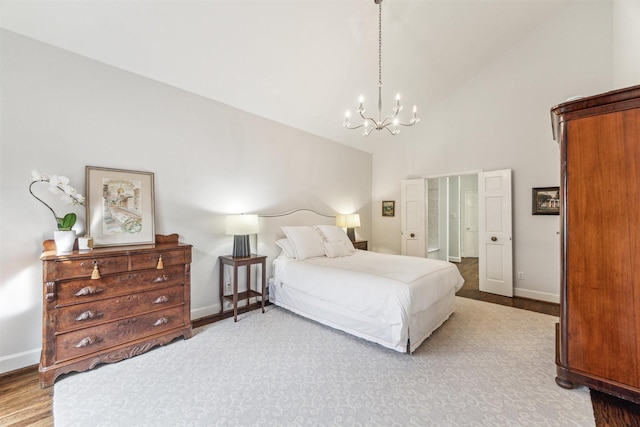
(452, 223)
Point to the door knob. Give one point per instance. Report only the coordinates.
(412, 235)
(494, 239)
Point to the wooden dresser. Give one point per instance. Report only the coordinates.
(109, 304)
(598, 337)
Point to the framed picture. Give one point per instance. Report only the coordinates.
(546, 201)
(388, 208)
(120, 206)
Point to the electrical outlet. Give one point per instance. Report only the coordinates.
(520, 275)
(227, 288)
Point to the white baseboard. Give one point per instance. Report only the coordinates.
(19, 360)
(455, 259)
(537, 295)
(201, 312)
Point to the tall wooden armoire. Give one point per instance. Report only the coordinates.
(598, 337)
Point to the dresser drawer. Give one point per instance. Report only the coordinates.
(150, 260)
(90, 340)
(88, 314)
(84, 290)
(70, 269)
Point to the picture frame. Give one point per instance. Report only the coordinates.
(388, 208)
(120, 206)
(546, 201)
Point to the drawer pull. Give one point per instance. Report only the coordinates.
(95, 274)
(162, 278)
(88, 290)
(160, 265)
(87, 341)
(87, 315)
(161, 299)
(161, 321)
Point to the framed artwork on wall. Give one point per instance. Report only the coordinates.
(546, 201)
(388, 208)
(120, 206)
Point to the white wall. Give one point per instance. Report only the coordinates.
(626, 43)
(500, 120)
(61, 112)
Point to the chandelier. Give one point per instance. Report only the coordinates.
(390, 123)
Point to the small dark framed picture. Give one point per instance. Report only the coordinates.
(546, 201)
(388, 208)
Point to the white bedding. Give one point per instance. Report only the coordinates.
(369, 291)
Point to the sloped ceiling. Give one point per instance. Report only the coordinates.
(302, 63)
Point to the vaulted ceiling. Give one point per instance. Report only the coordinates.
(302, 63)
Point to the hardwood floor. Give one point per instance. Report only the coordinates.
(24, 403)
(469, 270)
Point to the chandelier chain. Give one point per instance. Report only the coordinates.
(380, 43)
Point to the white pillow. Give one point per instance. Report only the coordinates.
(332, 233)
(336, 248)
(286, 247)
(307, 242)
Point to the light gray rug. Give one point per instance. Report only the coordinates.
(488, 365)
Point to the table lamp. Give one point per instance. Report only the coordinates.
(241, 226)
(349, 222)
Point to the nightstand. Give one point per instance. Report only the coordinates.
(360, 244)
(237, 262)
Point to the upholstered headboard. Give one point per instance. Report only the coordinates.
(270, 229)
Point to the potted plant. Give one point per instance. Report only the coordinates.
(64, 236)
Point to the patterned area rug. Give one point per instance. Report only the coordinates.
(488, 365)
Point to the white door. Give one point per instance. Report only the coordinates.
(412, 217)
(495, 257)
(470, 233)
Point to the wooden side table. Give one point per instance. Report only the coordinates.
(237, 262)
(360, 244)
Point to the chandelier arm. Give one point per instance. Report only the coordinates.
(348, 126)
(370, 119)
(392, 132)
(411, 123)
(390, 118)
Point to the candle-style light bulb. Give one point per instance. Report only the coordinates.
(361, 100)
(398, 99)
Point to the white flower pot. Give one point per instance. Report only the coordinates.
(64, 241)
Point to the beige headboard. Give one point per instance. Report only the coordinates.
(270, 229)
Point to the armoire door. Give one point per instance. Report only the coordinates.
(603, 245)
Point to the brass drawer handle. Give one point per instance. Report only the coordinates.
(87, 341)
(161, 321)
(88, 290)
(89, 315)
(95, 274)
(162, 299)
(160, 265)
(162, 278)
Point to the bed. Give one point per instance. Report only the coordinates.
(393, 300)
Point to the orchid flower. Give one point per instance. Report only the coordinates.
(59, 184)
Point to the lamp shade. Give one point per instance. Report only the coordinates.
(242, 224)
(348, 221)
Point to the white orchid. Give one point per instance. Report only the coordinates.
(59, 184)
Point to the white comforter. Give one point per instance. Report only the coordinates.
(388, 287)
